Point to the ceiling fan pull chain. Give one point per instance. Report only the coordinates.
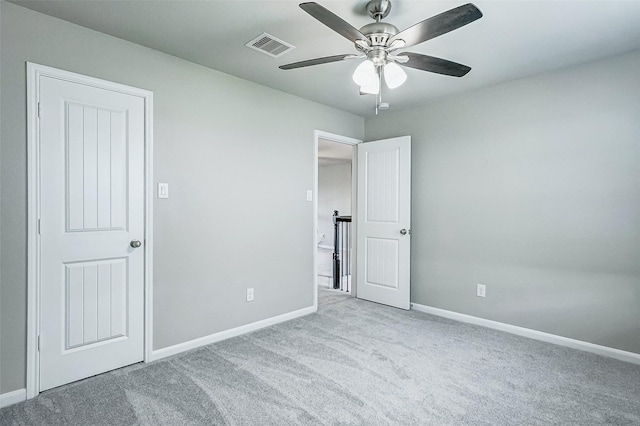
(379, 96)
(380, 71)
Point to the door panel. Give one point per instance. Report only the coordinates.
(381, 177)
(92, 206)
(384, 200)
(96, 300)
(96, 158)
(382, 262)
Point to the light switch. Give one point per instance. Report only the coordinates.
(163, 190)
(309, 195)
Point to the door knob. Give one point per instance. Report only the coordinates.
(403, 231)
(135, 243)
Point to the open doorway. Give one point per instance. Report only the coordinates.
(335, 163)
(334, 210)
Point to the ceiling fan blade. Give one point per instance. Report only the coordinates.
(333, 21)
(316, 61)
(436, 65)
(438, 25)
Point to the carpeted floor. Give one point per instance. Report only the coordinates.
(354, 363)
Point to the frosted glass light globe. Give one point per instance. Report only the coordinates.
(365, 73)
(394, 75)
(373, 88)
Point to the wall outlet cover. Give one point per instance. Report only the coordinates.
(250, 295)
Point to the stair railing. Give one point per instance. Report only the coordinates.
(341, 251)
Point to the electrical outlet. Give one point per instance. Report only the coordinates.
(249, 295)
(481, 290)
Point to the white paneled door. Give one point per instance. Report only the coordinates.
(384, 221)
(91, 219)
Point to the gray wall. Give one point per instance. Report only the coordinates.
(531, 187)
(238, 177)
(334, 193)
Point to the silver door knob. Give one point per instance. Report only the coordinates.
(135, 243)
(403, 231)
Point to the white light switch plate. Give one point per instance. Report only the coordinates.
(163, 190)
(309, 195)
(481, 290)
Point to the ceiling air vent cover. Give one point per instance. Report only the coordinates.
(269, 45)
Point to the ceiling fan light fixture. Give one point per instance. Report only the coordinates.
(378, 42)
(394, 75)
(371, 89)
(365, 74)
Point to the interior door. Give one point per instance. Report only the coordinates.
(91, 230)
(384, 221)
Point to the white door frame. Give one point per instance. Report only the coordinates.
(319, 134)
(34, 72)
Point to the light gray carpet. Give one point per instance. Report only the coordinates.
(354, 363)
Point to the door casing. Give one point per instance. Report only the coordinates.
(34, 72)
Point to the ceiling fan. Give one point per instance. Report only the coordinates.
(379, 41)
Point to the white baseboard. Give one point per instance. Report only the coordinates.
(532, 334)
(14, 397)
(227, 334)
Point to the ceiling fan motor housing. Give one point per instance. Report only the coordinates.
(379, 33)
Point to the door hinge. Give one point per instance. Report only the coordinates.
(38, 226)
(39, 110)
(38, 343)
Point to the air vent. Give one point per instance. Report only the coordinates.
(269, 45)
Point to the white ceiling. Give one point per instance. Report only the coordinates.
(513, 39)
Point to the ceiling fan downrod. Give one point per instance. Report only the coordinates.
(379, 9)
